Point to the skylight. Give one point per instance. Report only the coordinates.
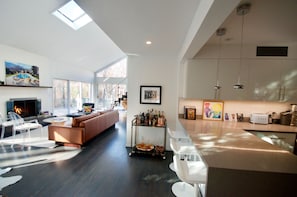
(72, 15)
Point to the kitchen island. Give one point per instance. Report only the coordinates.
(241, 164)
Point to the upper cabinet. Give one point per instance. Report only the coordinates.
(263, 79)
(289, 81)
(200, 79)
(273, 80)
(202, 75)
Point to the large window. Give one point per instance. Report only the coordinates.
(111, 84)
(60, 97)
(70, 95)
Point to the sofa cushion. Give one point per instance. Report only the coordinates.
(76, 121)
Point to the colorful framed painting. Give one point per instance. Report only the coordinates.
(212, 110)
(150, 94)
(19, 74)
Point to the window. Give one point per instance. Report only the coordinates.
(72, 15)
(70, 95)
(75, 96)
(117, 70)
(111, 84)
(60, 95)
(86, 92)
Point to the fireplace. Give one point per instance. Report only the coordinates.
(25, 107)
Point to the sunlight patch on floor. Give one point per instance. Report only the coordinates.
(24, 150)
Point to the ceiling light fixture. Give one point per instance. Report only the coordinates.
(72, 15)
(148, 42)
(242, 10)
(220, 32)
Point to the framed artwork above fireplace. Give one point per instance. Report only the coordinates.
(19, 74)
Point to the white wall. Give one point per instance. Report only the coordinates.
(60, 70)
(48, 69)
(12, 54)
(160, 71)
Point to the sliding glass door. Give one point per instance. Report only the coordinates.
(70, 95)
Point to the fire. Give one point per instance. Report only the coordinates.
(18, 110)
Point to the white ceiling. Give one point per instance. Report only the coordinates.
(132, 22)
(177, 28)
(268, 23)
(29, 25)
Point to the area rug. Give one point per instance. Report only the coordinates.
(6, 181)
(24, 150)
(37, 138)
(18, 156)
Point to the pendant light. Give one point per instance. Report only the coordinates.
(220, 32)
(241, 10)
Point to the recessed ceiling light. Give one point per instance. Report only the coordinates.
(72, 15)
(148, 42)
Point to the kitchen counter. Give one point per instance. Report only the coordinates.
(238, 161)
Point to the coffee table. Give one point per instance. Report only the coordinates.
(61, 120)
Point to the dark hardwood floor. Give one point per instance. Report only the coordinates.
(102, 168)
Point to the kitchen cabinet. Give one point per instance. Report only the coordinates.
(228, 76)
(273, 80)
(201, 78)
(238, 161)
(289, 82)
(263, 79)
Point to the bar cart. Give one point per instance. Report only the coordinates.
(141, 146)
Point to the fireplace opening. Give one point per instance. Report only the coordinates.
(26, 107)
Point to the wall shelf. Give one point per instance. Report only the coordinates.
(12, 86)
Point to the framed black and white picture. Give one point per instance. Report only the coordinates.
(150, 95)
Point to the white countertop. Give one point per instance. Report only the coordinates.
(227, 145)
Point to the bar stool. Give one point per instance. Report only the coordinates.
(190, 172)
(184, 150)
(181, 137)
(196, 173)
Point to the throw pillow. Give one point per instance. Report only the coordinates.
(87, 109)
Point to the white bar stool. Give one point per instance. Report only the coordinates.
(184, 150)
(190, 172)
(181, 137)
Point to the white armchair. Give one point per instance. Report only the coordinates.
(4, 124)
(20, 125)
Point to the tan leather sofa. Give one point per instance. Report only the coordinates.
(83, 128)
